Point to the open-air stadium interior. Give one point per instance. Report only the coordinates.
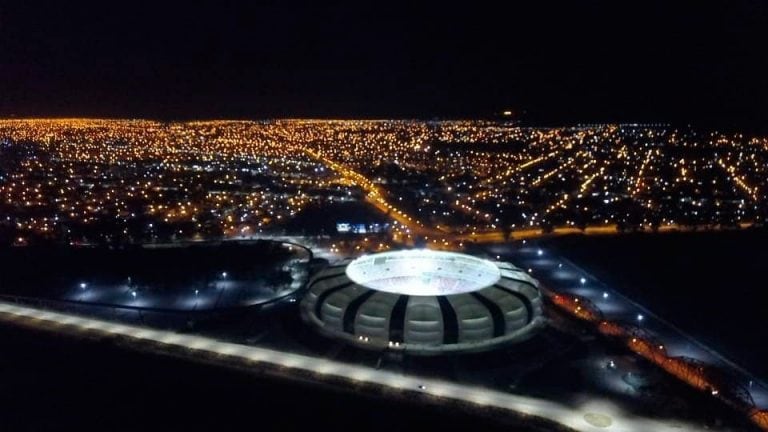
(423, 272)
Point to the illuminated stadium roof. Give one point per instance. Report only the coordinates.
(423, 272)
(423, 302)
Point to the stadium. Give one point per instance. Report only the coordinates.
(424, 302)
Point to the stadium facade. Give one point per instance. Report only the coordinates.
(424, 302)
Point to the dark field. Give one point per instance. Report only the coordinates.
(322, 219)
(711, 285)
(40, 271)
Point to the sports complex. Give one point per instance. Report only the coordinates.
(423, 302)
(448, 326)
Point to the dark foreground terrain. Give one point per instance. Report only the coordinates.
(58, 383)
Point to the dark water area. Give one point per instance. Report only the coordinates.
(712, 285)
(58, 383)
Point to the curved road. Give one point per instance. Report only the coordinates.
(570, 416)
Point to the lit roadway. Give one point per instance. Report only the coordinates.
(534, 232)
(570, 416)
(567, 277)
(375, 196)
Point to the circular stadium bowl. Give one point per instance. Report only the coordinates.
(423, 302)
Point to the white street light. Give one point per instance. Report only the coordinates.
(583, 281)
(640, 317)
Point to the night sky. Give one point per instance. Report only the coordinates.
(561, 62)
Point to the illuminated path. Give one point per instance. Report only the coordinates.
(610, 229)
(573, 417)
(375, 196)
(569, 278)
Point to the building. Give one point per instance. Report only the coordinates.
(424, 302)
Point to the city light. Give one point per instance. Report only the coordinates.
(186, 187)
(443, 186)
(544, 215)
